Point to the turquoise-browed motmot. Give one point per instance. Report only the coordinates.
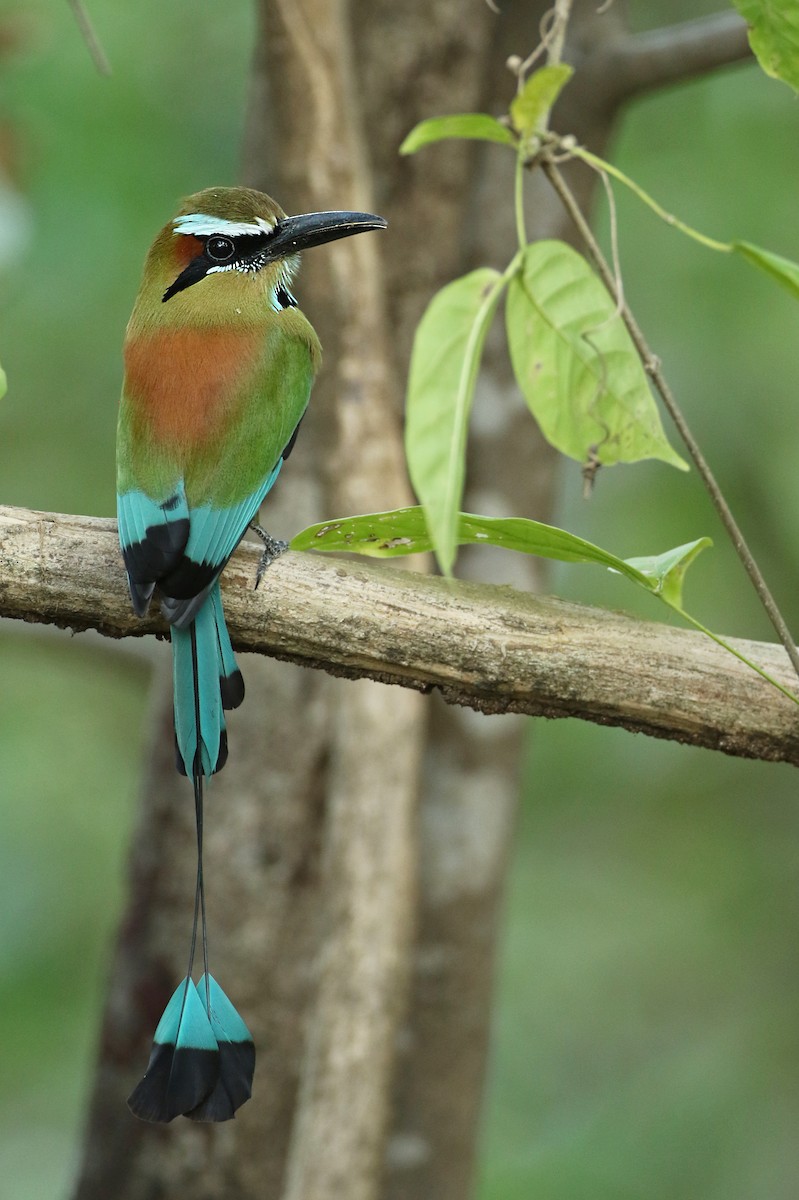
(219, 363)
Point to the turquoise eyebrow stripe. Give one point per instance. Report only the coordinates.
(203, 225)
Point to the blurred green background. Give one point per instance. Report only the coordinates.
(647, 1031)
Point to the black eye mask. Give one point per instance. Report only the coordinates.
(243, 253)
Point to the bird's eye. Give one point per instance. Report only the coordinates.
(220, 249)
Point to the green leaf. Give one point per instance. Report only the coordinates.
(537, 97)
(444, 363)
(779, 268)
(404, 531)
(665, 573)
(576, 365)
(476, 126)
(378, 535)
(774, 36)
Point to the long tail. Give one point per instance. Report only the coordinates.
(203, 1058)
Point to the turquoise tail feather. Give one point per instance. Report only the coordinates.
(206, 681)
(202, 1060)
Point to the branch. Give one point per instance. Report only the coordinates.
(488, 648)
(643, 62)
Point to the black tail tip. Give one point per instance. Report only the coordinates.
(175, 1082)
(179, 763)
(234, 1086)
(232, 689)
(221, 758)
(203, 1085)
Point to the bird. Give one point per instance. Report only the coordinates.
(218, 367)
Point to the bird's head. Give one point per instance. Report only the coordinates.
(229, 247)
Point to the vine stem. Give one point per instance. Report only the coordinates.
(518, 200)
(599, 164)
(652, 366)
(89, 36)
(560, 22)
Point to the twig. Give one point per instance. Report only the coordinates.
(618, 282)
(552, 29)
(557, 35)
(90, 37)
(523, 67)
(652, 366)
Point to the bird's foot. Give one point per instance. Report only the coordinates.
(273, 548)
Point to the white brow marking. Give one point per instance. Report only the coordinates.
(202, 225)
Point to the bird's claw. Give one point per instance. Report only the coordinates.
(273, 548)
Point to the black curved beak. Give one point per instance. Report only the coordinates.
(293, 234)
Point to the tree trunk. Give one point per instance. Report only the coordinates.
(310, 852)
